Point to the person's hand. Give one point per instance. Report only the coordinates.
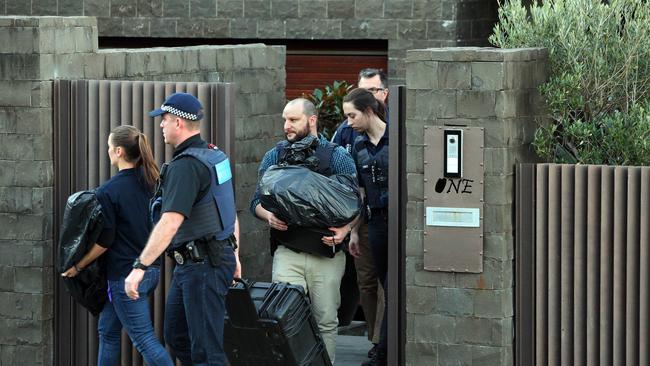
(339, 235)
(71, 272)
(353, 245)
(132, 282)
(276, 223)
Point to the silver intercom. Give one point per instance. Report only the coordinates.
(453, 163)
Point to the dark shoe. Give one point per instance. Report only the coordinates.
(372, 351)
(378, 359)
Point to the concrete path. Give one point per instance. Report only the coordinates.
(351, 350)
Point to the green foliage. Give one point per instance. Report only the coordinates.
(598, 92)
(329, 103)
(615, 139)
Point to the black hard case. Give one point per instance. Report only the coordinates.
(269, 324)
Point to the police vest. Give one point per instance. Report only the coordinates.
(214, 214)
(373, 171)
(302, 239)
(347, 136)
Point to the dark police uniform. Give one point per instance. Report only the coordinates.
(360, 279)
(372, 167)
(125, 201)
(197, 184)
(345, 136)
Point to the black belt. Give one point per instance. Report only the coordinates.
(182, 254)
(337, 248)
(193, 251)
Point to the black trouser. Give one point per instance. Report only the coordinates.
(378, 237)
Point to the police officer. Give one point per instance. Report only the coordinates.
(195, 209)
(376, 82)
(370, 152)
(371, 294)
(302, 256)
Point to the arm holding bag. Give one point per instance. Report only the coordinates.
(305, 198)
(82, 225)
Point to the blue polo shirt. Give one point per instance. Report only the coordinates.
(125, 206)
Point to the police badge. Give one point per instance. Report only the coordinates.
(178, 257)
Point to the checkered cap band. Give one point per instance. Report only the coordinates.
(178, 112)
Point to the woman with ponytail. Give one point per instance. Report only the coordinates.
(366, 115)
(125, 208)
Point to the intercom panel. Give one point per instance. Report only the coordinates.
(454, 198)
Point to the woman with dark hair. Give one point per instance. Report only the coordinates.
(125, 207)
(366, 115)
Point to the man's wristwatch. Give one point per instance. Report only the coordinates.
(139, 265)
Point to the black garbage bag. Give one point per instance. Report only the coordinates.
(301, 153)
(89, 288)
(299, 196)
(82, 224)
(81, 227)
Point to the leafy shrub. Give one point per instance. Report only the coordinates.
(329, 103)
(599, 87)
(614, 139)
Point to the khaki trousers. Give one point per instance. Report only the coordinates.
(321, 278)
(371, 292)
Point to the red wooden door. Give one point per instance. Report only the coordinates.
(305, 72)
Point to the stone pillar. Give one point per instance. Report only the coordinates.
(458, 318)
(27, 59)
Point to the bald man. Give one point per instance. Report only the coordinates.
(312, 259)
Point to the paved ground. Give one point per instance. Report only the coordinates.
(352, 345)
(351, 350)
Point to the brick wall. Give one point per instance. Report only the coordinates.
(458, 318)
(36, 50)
(405, 24)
